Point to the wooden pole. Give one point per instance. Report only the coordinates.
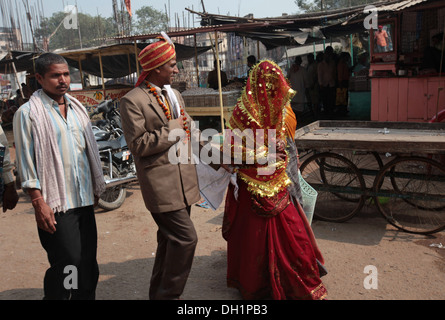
(258, 49)
(196, 60)
(136, 57)
(129, 65)
(218, 67)
(102, 73)
(81, 73)
(17, 80)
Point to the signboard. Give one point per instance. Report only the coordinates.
(91, 98)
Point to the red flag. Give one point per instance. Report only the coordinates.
(128, 5)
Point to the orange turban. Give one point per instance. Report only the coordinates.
(155, 55)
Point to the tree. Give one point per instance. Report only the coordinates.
(150, 20)
(318, 5)
(92, 29)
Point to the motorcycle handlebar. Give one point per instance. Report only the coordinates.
(103, 107)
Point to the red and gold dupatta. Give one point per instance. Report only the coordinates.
(261, 111)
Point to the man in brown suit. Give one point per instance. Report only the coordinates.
(149, 115)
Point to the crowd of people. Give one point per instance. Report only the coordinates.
(323, 84)
(272, 252)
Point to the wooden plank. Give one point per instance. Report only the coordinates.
(433, 85)
(383, 100)
(416, 99)
(403, 100)
(393, 99)
(376, 124)
(399, 137)
(209, 111)
(375, 85)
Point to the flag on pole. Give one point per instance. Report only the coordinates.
(128, 5)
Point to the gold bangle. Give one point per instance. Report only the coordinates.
(38, 198)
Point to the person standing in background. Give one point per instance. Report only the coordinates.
(298, 79)
(312, 92)
(327, 75)
(8, 193)
(343, 76)
(381, 40)
(212, 79)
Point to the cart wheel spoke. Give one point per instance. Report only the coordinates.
(339, 184)
(410, 194)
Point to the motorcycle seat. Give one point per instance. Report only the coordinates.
(110, 144)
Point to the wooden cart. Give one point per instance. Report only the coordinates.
(399, 166)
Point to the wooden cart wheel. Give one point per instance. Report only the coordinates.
(340, 186)
(369, 163)
(410, 194)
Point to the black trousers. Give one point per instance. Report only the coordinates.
(328, 95)
(72, 251)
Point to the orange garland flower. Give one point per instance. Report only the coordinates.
(167, 110)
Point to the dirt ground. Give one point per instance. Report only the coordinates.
(405, 266)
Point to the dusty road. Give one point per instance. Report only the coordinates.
(405, 265)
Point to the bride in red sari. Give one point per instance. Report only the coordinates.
(271, 250)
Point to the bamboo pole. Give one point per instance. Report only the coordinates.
(102, 73)
(218, 67)
(129, 65)
(81, 73)
(136, 57)
(196, 60)
(258, 49)
(17, 80)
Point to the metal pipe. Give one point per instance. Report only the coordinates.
(118, 181)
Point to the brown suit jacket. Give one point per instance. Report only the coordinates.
(165, 186)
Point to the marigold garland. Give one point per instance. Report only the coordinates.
(167, 110)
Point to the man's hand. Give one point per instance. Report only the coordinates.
(281, 150)
(44, 216)
(228, 168)
(10, 197)
(280, 154)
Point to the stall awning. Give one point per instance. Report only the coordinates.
(355, 23)
(118, 60)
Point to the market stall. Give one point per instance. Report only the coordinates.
(288, 30)
(407, 55)
(106, 62)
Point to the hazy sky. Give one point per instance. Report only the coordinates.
(260, 8)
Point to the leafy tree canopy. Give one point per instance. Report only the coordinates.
(93, 29)
(318, 5)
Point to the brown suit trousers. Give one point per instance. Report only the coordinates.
(177, 241)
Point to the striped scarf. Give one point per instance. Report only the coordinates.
(48, 159)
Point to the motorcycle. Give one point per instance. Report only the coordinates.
(117, 161)
(109, 127)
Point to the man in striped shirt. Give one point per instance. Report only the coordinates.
(60, 180)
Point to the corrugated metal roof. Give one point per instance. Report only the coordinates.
(401, 5)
